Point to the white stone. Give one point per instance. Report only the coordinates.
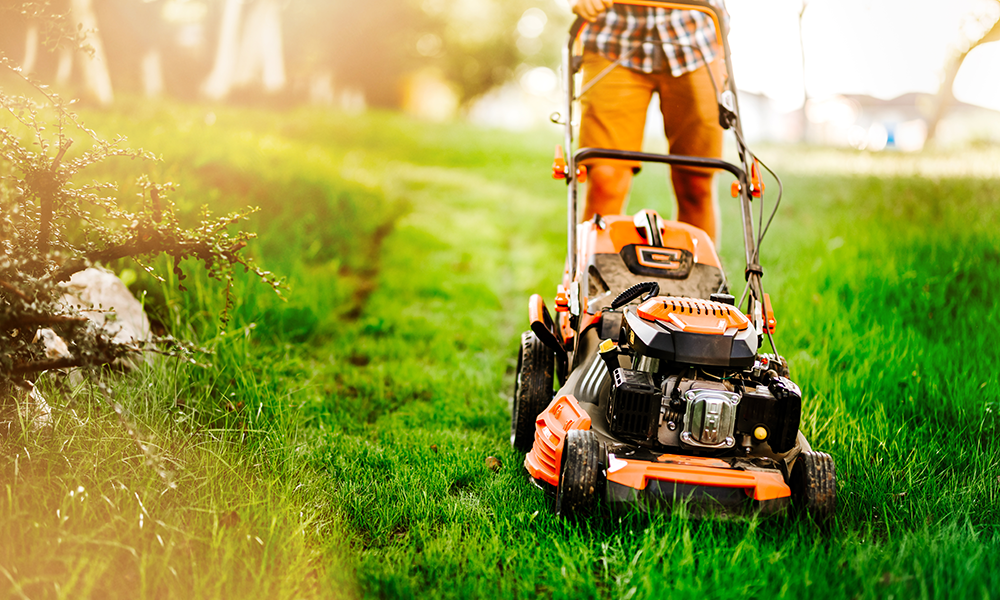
(55, 347)
(105, 300)
(23, 408)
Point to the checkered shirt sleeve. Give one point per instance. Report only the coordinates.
(687, 37)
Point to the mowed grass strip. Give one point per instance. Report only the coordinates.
(914, 433)
(383, 382)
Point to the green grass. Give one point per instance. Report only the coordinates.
(374, 391)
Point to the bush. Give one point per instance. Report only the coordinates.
(53, 225)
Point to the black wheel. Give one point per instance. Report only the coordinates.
(814, 485)
(533, 390)
(579, 473)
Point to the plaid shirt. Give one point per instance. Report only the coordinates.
(687, 37)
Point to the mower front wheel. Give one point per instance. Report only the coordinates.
(579, 473)
(532, 391)
(814, 485)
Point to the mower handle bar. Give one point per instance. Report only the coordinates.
(716, 15)
(749, 242)
(669, 159)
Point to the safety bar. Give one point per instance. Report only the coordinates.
(669, 159)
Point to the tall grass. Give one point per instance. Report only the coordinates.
(336, 445)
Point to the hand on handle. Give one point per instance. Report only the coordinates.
(590, 9)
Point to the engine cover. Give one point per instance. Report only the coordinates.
(710, 418)
(692, 331)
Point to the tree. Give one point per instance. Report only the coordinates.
(946, 96)
(374, 45)
(249, 45)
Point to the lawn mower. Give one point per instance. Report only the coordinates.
(664, 395)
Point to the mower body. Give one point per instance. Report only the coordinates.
(681, 404)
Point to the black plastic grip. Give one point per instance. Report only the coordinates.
(634, 292)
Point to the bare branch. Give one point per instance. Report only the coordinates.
(10, 288)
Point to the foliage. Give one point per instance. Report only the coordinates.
(55, 26)
(373, 46)
(52, 226)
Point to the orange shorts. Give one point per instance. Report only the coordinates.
(614, 110)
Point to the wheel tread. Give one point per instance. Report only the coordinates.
(814, 483)
(533, 390)
(579, 473)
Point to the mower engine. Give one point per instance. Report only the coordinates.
(693, 380)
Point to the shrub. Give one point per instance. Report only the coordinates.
(53, 224)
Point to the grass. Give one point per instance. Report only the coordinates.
(336, 444)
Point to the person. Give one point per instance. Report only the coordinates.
(674, 53)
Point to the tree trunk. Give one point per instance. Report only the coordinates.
(261, 53)
(30, 49)
(946, 95)
(64, 70)
(152, 73)
(220, 80)
(95, 67)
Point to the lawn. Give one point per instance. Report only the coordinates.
(334, 442)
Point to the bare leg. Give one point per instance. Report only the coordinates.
(607, 189)
(690, 117)
(696, 200)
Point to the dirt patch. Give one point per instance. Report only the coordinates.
(368, 275)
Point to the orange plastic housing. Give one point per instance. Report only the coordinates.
(694, 314)
(562, 415)
(620, 231)
(769, 322)
(536, 310)
(710, 472)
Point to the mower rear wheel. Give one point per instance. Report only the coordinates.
(579, 473)
(532, 391)
(814, 485)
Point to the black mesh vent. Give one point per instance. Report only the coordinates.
(635, 404)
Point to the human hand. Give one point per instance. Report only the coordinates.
(590, 9)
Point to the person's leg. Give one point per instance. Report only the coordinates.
(697, 200)
(614, 116)
(607, 189)
(691, 122)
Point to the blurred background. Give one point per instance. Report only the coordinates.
(867, 74)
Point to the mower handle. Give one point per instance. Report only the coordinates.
(670, 159)
(749, 242)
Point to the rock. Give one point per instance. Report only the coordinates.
(101, 297)
(23, 407)
(104, 299)
(55, 347)
(36, 410)
(493, 463)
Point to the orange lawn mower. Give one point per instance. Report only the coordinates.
(664, 395)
